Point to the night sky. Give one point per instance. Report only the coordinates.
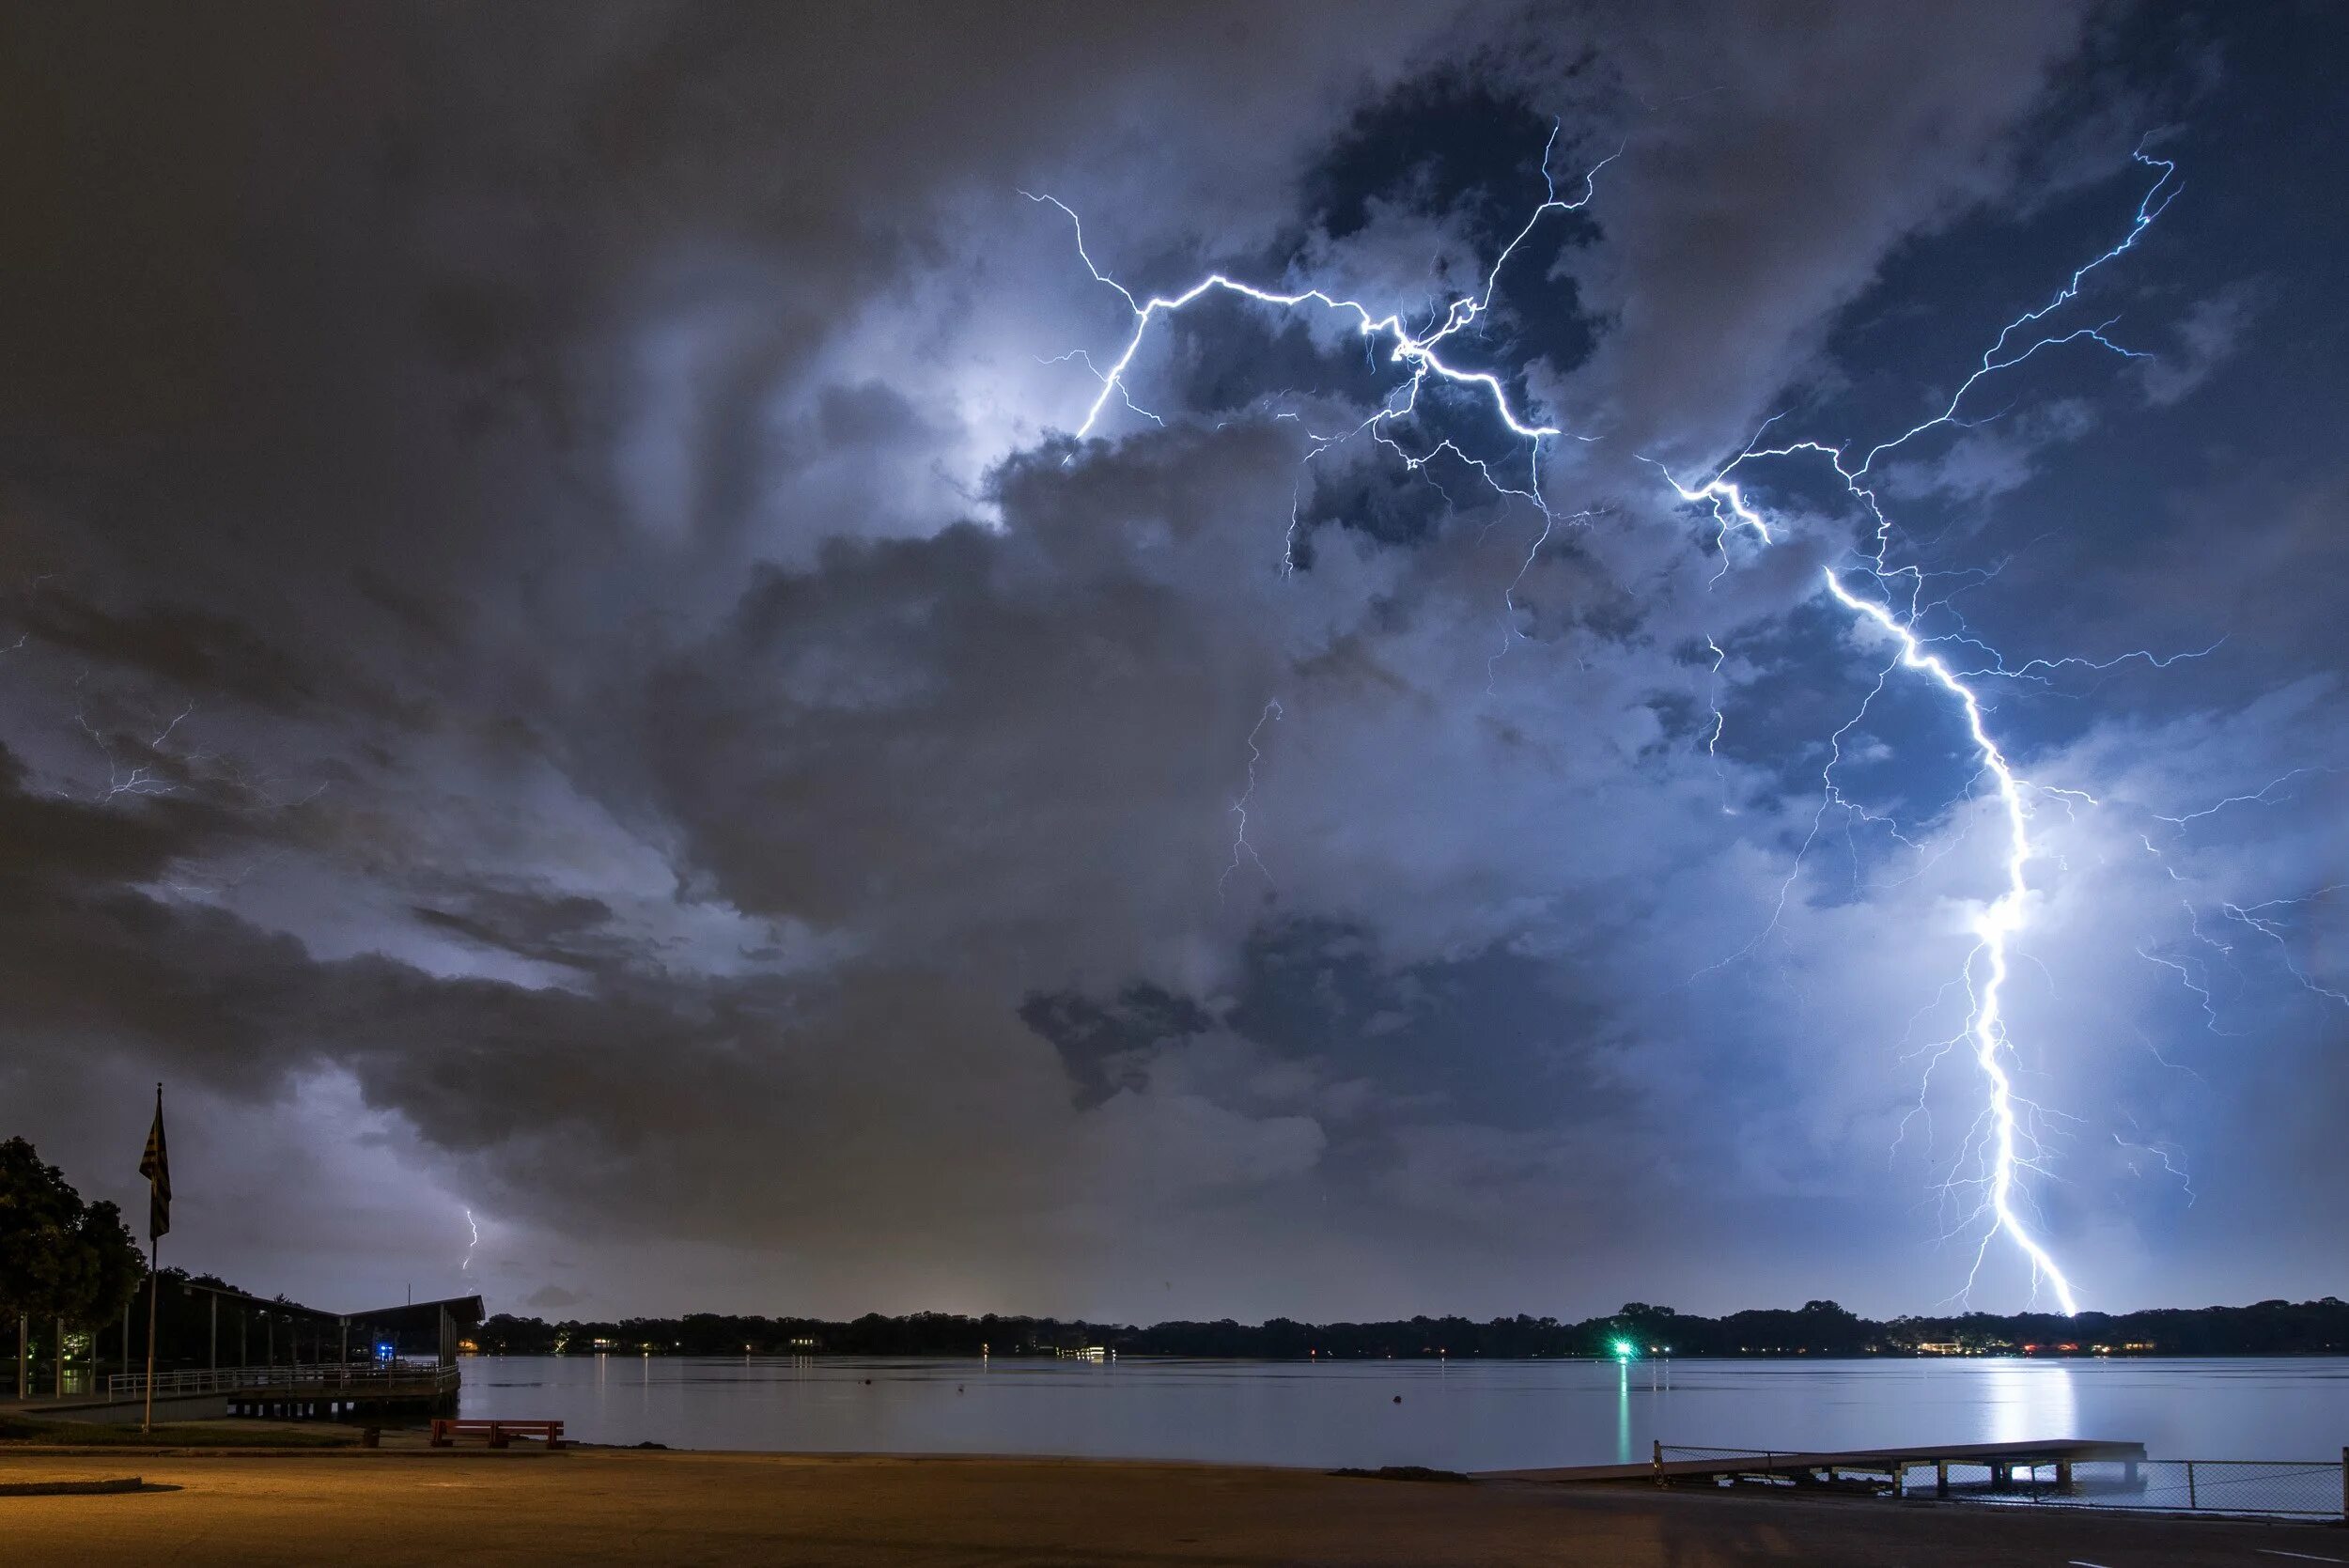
(560, 657)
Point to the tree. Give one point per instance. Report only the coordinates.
(112, 1266)
(61, 1259)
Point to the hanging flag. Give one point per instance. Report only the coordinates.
(156, 1167)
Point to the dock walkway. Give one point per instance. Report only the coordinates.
(1890, 1465)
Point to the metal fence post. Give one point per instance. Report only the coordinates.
(2344, 1485)
(1658, 1460)
(2190, 1485)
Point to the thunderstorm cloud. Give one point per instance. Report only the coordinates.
(561, 655)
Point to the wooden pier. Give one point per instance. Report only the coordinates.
(1872, 1468)
(280, 1393)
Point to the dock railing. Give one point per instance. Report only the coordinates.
(394, 1379)
(2022, 1478)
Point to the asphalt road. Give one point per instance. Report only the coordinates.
(590, 1506)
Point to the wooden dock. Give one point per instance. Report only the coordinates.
(1851, 1467)
(282, 1392)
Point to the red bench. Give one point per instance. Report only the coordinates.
(445, 1433)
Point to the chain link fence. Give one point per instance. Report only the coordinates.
(2293, 1490)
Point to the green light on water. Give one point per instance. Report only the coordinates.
(1624, 1350)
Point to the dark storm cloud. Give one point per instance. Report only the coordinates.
(555, 928)
(52, 841)
(557, 652)
(174, 643)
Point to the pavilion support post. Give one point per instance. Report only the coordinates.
(57, 1390)
(1941, 1478)
(212, 1343)
(23, 1356)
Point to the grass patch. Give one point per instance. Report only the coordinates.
(64, 1434)
(1405, 1472)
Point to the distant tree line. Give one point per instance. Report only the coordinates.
(1815, 1328)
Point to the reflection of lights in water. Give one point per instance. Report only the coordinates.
(1622, 1411)
(2025, 1402)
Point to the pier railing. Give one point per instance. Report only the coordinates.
(2038, 1475)
(223, 1380)
(2253, 1488)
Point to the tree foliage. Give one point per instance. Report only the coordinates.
(59, 1257)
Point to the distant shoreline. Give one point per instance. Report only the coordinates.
(1816, 1329)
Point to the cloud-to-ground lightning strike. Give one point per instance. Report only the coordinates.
(473, 1225)
(1992, 927)
(2009, 1149)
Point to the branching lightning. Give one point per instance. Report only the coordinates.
(474, 1226)
(145, 778)
(1879, 597)
(1415, 353)
(2008, 1148)
(1241, 848)
(2261, 918)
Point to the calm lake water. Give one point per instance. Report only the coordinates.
(1459, 1415)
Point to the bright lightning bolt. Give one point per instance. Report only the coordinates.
(1416, 354)
(1992, 926)
(473, 1225)
(2010, 1150)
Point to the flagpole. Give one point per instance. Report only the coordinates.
(154, 1284)
(154, 1289)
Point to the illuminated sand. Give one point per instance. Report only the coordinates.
(613, 1506)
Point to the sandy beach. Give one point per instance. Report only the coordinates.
(615, 1506)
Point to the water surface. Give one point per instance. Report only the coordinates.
(1461, 1415)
